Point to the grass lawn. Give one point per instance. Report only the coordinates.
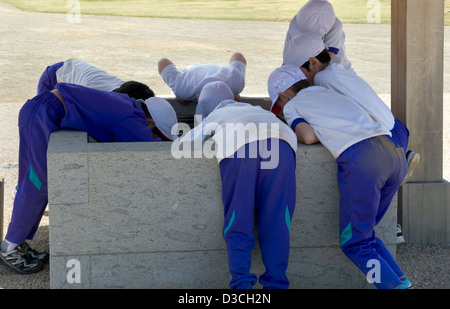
(348, 11)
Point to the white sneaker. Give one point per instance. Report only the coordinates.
(400, 238)
(413, 159)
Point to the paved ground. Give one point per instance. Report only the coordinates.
(131, 47)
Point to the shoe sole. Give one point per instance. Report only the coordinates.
(400, 240)
(21, 271)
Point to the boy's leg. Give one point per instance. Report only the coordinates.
(400, 135)
(387, 193)
(47, 81)
(171, 76)
(162, 64)
(236, 81)
(238, 57)
(275, 203)
(238, 196)
(362, 171)
(37, 119)
(383, 251)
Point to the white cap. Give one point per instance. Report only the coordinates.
(210, 97)
(300, 48)
(280, 80)
(315, 16)
(164, 116)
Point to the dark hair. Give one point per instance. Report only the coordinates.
(145, 109)
(323, 57)
(135, 90)
(304, 83)
(158, 133)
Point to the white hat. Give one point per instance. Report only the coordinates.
(316, 17)
(280, 80)
(300, 48)
(164, 116)
(210, 97)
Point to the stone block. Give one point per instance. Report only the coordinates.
(136, 217)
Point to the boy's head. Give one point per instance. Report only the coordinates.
(161, 117)
(210, 97)
(135, 90)
(308, 52)
(283, 84)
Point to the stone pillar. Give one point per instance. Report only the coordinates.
(417, 100)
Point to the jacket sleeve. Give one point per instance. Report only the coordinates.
(133, 130)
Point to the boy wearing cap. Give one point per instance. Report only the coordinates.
(160, 117)
(315, 64)
(188, 83)
(243, 135)
(370, 168)
(279, 81)
(318, 17)
(115, 117)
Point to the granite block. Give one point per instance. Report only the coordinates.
(136, 217)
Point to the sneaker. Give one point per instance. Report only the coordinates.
(400, 238)
(406, 281)
(413, 159)
(40, 255)
(20, 260)
(402, 287)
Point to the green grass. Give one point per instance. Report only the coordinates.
(348, 11)
(447, 13)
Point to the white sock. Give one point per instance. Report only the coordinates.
(8, 246)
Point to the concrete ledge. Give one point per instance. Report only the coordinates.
(132, 216)
(185, 112)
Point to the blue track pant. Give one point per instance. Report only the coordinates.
(369, 174)
(400, 135)
(44, 114)
(38, 118)
(47, 81)
(270, 194)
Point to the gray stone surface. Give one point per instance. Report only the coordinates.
(136, 217)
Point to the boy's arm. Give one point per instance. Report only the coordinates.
(305, 133)
(133, 130)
